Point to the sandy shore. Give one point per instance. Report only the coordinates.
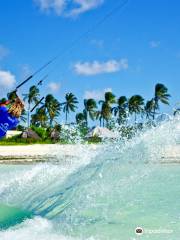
(43, 153)
(40, 152)
(28, 150)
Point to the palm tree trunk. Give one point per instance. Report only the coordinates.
(107, 123)
(28, 119)
(51, 122)
(135, 117)
(86, 119)
(66, 116)
(119, 121)
(155, 106)
(154, 113)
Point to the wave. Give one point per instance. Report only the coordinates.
(102, 193)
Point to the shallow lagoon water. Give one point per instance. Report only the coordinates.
(103, 194)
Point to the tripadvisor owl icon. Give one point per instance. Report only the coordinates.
(139, 231)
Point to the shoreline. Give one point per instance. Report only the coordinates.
(39, 153)
(24, 154)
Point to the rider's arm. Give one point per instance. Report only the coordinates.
(3, 110)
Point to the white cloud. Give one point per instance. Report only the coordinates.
(3, 52)
(7, 79)
(94, 68)
(84, 6)
(56, 6)
(96, 94)
(154, 44)
(7, 82)
(67, 7)
(54, 87)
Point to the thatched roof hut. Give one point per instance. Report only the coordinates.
(29, 133)
(101, 132)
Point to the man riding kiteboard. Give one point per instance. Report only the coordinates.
(9, 117)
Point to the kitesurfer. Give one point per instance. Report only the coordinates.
(9, 117)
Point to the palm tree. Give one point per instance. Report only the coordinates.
(32, 97)
(149, 108)
(12, 96)
(40, 118)
(23, 117)
(89, 109)
(121, 109)
(135, 105)
(69, 104)
(99, 116)
(105, 112)
(177, 112)
(80, 118)
(110, 98)
(53, 107)
(160, 95)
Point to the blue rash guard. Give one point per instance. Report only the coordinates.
(7, 121)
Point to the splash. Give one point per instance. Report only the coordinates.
(100, 192)
(37, 228)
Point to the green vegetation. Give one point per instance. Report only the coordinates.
(90, 107)
(127, 113)
(69, 104)
(106, 108)
(20, 141)
(31, 97)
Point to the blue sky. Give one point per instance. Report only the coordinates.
(129, 53)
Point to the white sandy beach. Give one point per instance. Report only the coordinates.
(32, 153)
(43, 149)
(41, 152)
(52, 149)
(33, 150)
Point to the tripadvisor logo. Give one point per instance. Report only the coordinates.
(139, 231)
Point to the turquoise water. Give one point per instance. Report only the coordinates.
(101, 193)
(11, 216)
